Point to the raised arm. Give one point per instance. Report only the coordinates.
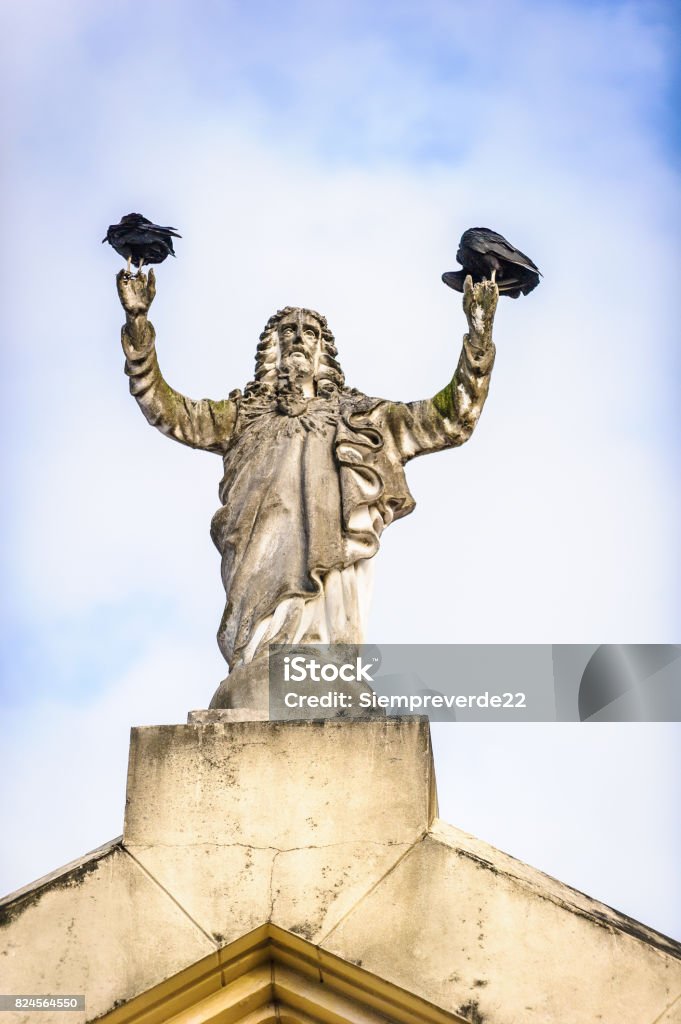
(449, 418)
(199, 424)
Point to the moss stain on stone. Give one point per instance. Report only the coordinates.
(471, 1011)
(444, 402)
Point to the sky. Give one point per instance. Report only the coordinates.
(330, 155)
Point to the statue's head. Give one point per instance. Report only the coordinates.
(299, 336)
(297, 344)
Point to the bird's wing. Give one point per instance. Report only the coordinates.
(455, 279)
(137, 235)
(141, 236)
(518, 257)
(117, 234)
(512, 286)
(159, 248)
(484, 241)
(157, 229)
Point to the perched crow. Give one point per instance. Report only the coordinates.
(485, 254)
(140, 241)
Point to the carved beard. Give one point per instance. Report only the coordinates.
(290, 398)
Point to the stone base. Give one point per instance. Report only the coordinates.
(247, 696)
(247, 687)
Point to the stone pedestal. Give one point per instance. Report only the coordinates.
(283, 822)
(298, 870)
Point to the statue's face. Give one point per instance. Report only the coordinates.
(300, 342)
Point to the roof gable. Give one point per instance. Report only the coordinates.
(272, 975)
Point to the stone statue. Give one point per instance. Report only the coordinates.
(313, 473)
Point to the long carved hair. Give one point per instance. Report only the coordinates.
(269, 379)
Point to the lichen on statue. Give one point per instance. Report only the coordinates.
(313, 471)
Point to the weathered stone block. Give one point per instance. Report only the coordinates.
(290, 822)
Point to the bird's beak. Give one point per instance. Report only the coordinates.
(103, 240)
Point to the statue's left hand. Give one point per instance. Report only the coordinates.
(479, 305)
(136, 292)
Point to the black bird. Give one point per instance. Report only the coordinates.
(139, 241)
(485, 254)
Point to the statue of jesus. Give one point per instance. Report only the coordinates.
(313, 473)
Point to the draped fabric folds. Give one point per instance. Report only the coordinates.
(304, 502)
(308, 488)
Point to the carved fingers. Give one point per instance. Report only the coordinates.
(136, 292)
(467, 295)
(480, 304)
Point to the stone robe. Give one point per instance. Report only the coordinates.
(305, 497)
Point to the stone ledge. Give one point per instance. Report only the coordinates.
(280, 785)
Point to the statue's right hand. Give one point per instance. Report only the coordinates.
(136, 292)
